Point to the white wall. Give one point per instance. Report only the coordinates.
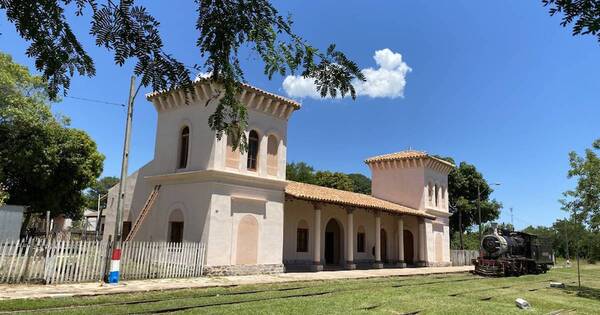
(11, 219)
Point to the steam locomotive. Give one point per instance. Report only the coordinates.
(511, 253)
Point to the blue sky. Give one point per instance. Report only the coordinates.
(497, 84)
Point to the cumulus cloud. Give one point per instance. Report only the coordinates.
(298, 86)
(386, 81)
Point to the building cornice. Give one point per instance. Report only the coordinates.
(217, 176)
(409, 159)
(204, 91)
(438, 213)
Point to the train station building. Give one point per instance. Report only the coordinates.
(252, 220)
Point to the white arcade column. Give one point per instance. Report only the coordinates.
(350, 240)
(378, 264)
(317, 265)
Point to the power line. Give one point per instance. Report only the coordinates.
(95, 101)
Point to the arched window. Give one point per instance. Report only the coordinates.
(443, 196)
(437, 195)
(430, 193)
(184, 143)
(232, 157)
(272, 147)
(252, 164)
(302, 237)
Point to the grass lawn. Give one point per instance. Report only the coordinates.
(435, 294)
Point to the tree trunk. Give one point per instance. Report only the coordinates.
(25, 224)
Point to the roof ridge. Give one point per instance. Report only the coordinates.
(349, 198)
(290, 101)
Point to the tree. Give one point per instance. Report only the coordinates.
(300, 172)
(361, 183)
(130, 32)
(99, 188)
(44, 164)
(463, 182)
(3, 194)
(585, 14)
(304, 173)
(335, 180)
(583, 202)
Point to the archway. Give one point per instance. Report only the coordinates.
(247, 241)
(383, 245)
(409, 251)
(333, 243)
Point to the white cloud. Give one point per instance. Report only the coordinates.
(388, 80)
(298, 86)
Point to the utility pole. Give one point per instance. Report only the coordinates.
(460, 229)
(479, 214)
(113, 276)
(511, 218)
(567, 243)
(99, 216)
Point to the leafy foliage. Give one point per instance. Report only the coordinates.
(568, 237)
(3, 193)
(585, 14)
(300, 172)
(361, 183)
(43, 164)
(131, 32)
(99, 188)
(335, 180)
(583, 202)
(304, 173)
(462, 191)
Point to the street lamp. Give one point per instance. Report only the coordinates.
(479, 210)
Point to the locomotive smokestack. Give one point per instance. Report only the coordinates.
(495, 228)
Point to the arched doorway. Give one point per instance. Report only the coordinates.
(383, 245)
(333, 243)
(247, 241)
(409, 251)
(175, 233)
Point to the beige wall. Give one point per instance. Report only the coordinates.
(399, 185)
(297, 210)
(205, 150)
(229, 205)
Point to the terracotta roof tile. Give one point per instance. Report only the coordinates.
(245, 86)
(404, 155)
(345, 198)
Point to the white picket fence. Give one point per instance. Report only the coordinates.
(463, 257)
(51, 262)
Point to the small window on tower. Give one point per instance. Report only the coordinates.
(184, 143)
(252, 163)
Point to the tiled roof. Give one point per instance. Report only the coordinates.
(245, 86)
(345, 198)
(404, 155)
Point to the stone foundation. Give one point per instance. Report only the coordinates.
(242, 270)
(439, 264)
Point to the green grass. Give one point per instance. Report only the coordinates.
(434, 294)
